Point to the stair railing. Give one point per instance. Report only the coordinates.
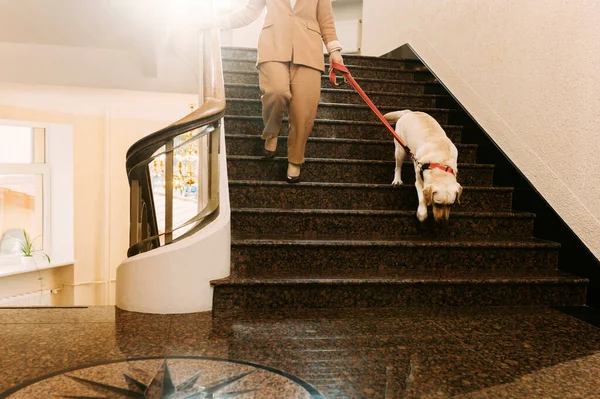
(156, 160)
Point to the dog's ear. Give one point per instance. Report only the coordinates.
(428, 195)
(459, 193)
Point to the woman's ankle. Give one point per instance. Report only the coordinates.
(271, 144)
(293, 169)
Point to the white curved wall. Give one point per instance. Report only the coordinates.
(176, 278)
(528, 71)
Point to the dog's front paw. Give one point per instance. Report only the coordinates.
(422, 213)
(397, 182)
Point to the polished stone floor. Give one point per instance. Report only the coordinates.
(100, 352)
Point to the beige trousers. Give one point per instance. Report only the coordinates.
(297, 88)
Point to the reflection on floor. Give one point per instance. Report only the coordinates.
(407, 353)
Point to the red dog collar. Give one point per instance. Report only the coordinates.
(445, 168)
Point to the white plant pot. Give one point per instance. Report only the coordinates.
(28, 262)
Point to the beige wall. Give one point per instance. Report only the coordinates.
(528, 72)
(348, 10)
(242, 37)
(105, 124)
(248, 35)
(59, 279)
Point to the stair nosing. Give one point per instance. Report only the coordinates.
(354, 185)
(254, 51)
(381, 212)
(570, 279)
(369, 92)
(358, 106)
(389, 142)
(331, 121)
(518, 243)
(350, 66)
(349, 161)
(323, 77)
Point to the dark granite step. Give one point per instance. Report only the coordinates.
(265, 256)
(407, 86)
(351, 112)
(397, 289)
(349, 96)
(375, 224)
(241, 53)
(241, 167)
(239, 144)
(366, 130)
(357, 71)
(339, 240)
(259, 194)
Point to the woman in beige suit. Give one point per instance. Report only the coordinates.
(290, 64)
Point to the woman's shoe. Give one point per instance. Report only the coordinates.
(269, 154)
(293, 179)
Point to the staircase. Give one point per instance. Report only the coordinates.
(344, 237)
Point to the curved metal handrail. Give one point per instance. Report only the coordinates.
(206, 120)
(162, 144)
(210, 112)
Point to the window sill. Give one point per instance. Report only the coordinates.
(12, 269)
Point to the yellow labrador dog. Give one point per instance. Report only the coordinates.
(437, 160)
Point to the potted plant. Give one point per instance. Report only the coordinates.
(26, 247)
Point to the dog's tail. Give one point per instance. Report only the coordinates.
(393, 117)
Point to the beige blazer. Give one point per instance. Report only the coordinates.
(291, 34)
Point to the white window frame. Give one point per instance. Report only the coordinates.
(57, 168)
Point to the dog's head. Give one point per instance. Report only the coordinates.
(441, 196)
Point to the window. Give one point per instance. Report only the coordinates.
(24, 187)
(36, 190)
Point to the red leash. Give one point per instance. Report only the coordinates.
(348, 78)
(335, 67)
